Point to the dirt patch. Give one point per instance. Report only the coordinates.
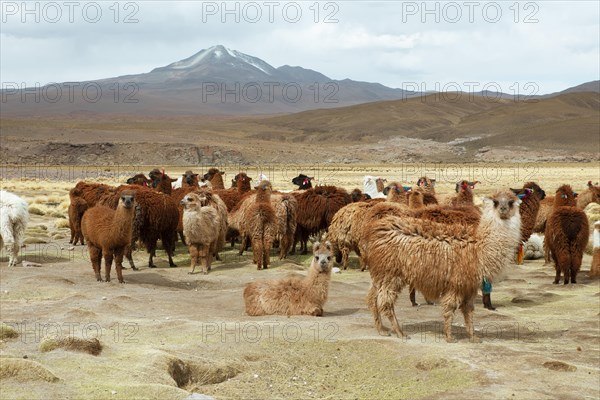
(559, 366)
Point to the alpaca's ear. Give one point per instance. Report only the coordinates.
(328, 245)
(515, 191)
(222, 172)
(486, 200)
(316, 246)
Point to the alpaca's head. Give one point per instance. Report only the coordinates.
(595, 193)
(303, 181)
(190, 178)
(357, 195)
(322, 256)
(395, 188)
(139, 179)
(538, 191)
(265, 187)
(210, 174)
(195, 200)
(565, 196)
(127, 199)
(157, 176)
(465, 186)
(380, 183)
(425, 182)
(242, 181)
(503, 204)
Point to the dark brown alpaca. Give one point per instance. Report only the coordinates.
(161, 181)
(108, 233)
(215, 177)
(567, 233)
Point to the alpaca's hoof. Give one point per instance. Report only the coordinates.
(151, 266)
(133, 267)
(384, 333)
(190, 273)
(121, 281)
(173, 266)
(99, 280)
(451, 340)
(205, 272)
(415, 304)
(430, 303)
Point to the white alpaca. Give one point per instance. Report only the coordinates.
(371, 188)
(14, 216)
(534, 248)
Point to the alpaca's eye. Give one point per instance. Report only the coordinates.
(328, 258)
(510, 203)
(496, 203)
(316, 258)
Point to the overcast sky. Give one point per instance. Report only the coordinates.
(553, 44)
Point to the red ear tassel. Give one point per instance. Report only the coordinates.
(163, 172)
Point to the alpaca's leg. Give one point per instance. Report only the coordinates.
(207, 261)
(467, 308)
(284, 247)
(448, 309)
(372, 304)
(151, 248)
(413, 297)
(182, 238)
(257, 251)
(73, 233)
(108, 259)
(267, 253)
(119, 263)
(204, 253)
(363, 262)
(168, 241)
(129, 256)
(193, 257)
(345, 252)
(576, 260)
(243, 244)
(96, 258)
(13, 253)
(386, 297)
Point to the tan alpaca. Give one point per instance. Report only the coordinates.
(108, 233)
(595, 270)
(260, 225)
(294, 296)
(445, 261)
(202, 229)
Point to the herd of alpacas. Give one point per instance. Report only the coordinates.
(445, 247)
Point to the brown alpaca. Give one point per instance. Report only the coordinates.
(595, 269)
(190, 179)
(77, 207)
(440, 260)
(161, 181)
(93, 192)
(567, 233)
(233, 196)
(428, 185)
(590, 195)
(294, 296)
(202, 228)
(260, 225)
(357, 195)
(215, 177)
(108, 233)
(464, 196)
(531, 196)
(139, 179)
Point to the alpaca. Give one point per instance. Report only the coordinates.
(303, 181)
(357, 195)
(215, 177)
(567, 233)
(234, 195)
(77, 207)
(202, 228)
(139, 179)
(190, 179)
(14, 217)
(533, 249)
(440, 260)
(595, 269)
(109, 232)
(373, 186)
(531, 196)
(428, 185)
(590, 195)
(464, 196)
(294, 296)
(261, 225)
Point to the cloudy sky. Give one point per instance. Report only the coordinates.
(553, 44)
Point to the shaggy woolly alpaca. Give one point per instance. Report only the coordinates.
(567, 233)
(233, 196)
(357, 195)
(316, 208)
(215, 177)
(534, 248)
(188, 178)
(590, 195)
(464, 196)
(373, 186)
(156, 217)
(531, 195)
(139, 179)
(428, 185)
(595, 269)
(294, 296)
(109, 232)
(201, 227)
(77, 207)
(261, 225)
(14, 217)
(440, 260)
(92, 193)
(303, 181)
(460, 184)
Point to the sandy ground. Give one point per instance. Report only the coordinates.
(166, 334)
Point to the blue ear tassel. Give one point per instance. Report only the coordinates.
(407, 188)
(522, 196)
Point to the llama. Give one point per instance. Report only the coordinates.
(294, 296)
(261, 225)
(215, 177)
(108, 232)
(440, 260)
(567, 233)
(202, 228)
(595, 269)
(77, 207)
(14, 217)
(373, 186)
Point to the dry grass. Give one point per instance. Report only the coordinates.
(25, 371)
(90, 346)
(7, 332)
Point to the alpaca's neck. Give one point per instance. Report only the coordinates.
(263, 196)
(122, 222)
(496, 241)
(316, 284)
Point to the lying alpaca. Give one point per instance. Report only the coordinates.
(108, 232)
(202, 228)
(440, 260)
(293, 296)
(567, 233)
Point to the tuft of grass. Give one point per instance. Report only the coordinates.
(57, 214)
(61, 223)
(8, 332)
(25, 371)
(35, 240)
(37, 210)
(90, 346)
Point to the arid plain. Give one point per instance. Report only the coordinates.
(166, 333)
